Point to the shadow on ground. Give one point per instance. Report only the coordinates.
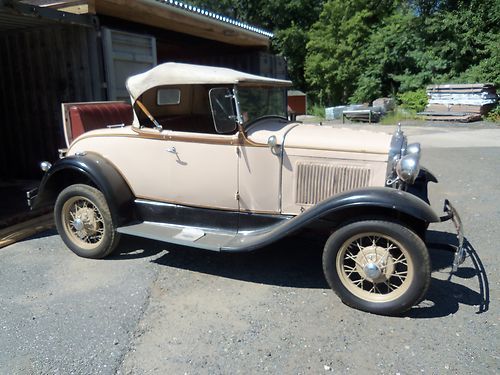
(293, 262)
(296, 262)
(446, 295)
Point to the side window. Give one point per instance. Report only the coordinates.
(181, 108)
(168, 96)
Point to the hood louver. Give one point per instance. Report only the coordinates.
(316, 182)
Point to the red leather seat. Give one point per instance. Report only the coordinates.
(87, 117)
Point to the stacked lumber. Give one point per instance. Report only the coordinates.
(459, 102)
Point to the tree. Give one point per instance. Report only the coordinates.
(358, 51)
(338, 41)
(290, 21)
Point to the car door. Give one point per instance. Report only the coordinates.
(202, 170)
(201, 151)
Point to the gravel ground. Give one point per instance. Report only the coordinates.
(165, 309)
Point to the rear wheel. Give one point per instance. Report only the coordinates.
(84, 221)
(377, 266)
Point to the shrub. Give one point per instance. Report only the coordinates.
(494, 114)
(316, 110)
(414, 101)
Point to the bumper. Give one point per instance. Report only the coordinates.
(452, 214)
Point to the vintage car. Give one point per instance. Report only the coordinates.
(208, 159)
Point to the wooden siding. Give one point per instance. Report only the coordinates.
(40, 69)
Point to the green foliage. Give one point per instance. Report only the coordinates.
(494, 114)
(399, 115)
(336, 49)
(344, 51)
(413, 100)
(360, 50)
(316, 110)
(290, 42)
(290, 21)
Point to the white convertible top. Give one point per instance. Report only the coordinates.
(188, 74)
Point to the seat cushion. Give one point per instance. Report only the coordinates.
(87, 117)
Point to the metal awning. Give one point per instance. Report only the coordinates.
(169, 15)
(16, 16)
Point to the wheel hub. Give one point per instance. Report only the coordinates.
(372, 271)
(374, 263)
(85, 223)
(78, 224)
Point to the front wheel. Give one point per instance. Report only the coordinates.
(377, 266)
(84, 221)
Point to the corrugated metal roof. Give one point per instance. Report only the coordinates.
(9, 21)
(170, 3)
(20, 16)
(218, 17)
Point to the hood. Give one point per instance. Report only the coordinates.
(319, 137)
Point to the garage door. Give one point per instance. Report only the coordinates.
(125, 54)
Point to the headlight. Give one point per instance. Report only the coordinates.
(408, 166)
(45, 166)
(413, 148)
(404, 160)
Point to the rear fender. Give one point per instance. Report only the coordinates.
(91, 169)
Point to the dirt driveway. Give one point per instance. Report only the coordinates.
(164, 309)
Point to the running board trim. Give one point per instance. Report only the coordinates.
(180, 235)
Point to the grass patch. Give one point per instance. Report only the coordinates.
(399, 115)
(494, 115)
(316, 111)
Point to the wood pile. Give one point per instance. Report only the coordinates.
(459, 102)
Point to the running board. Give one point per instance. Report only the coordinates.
(181, 235)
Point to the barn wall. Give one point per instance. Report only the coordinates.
(40, 69)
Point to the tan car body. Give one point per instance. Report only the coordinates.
(236, 171)
(226, 172)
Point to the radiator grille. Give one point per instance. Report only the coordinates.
(316, 181)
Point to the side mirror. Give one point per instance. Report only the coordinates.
(272, 142)
(223, 111)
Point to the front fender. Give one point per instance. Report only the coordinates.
(419, 187)
(385, 198)
(93, 168)
(348, 205)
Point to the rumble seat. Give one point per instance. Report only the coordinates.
(85, 117)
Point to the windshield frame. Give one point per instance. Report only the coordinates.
(239, 114)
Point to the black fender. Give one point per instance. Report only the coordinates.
(383, 198)
(342, 208)
(419, 187)
(426, 175)
(90, 167)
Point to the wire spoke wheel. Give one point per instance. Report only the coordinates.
(374, 267)
(83, 222)
(378, 266)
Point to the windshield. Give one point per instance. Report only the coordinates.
(256, 102)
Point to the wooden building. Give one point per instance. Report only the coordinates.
(70, 51)
(75, 51)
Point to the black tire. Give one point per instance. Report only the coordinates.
(369, 274)
(84, 222)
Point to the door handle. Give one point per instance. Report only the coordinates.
(172, 150)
